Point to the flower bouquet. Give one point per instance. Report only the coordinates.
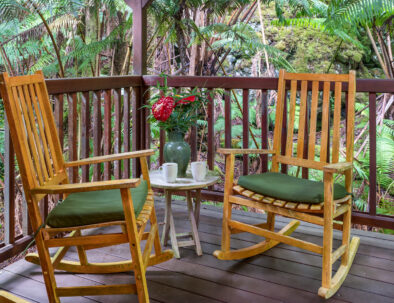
(175, 111)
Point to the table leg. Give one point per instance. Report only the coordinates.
(166, 228)
(197, 202)
(195, 235)
(174, 241)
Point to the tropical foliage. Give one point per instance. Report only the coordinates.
(74, 38)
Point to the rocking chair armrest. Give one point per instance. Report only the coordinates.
(113, 157)
(229, 151)
(85, 187)
(339, 167)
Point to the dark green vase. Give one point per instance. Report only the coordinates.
(178, 151)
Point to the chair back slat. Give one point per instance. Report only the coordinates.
(279, 119)
(302, 118)
(40, 124)
(37, 135)
(325, 123)
(350, 127)
(49, 120)
(312, 94)
(336, 123)
(313, 120)
(290, 131)
(33, 130)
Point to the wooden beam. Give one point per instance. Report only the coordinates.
(139, 68)
(139, 35)
(146, 3)
(133, 3)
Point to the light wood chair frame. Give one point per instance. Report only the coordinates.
(329, 210)
(44, 171)
(6, 297)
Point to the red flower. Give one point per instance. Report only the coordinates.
(163, 108)
(187, 100)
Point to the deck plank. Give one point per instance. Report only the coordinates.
(282, 274)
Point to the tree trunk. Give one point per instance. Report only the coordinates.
(182, 46)
(121, 46)
(92, 29)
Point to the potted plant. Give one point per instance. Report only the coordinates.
(175, 111)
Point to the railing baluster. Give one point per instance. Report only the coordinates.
(162, 143)
(59, 109)
(9, 187)
(211, 131)
(107, 132)
(118, 132)
(245, 129)
(264, 129)
(372, 154)
(284, 134)
(72, 135)
(126, 130)
(328, 135)
(227, 118)
(85, 126)
(193, 142)
(137, 136)
(144, 124)
(97, 133)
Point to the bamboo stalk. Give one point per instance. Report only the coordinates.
(371, 38)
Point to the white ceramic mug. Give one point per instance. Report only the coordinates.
(199, 170)
(169, 172)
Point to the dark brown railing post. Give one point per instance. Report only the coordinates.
(85, 126)
(372, 154)
(245, 129)
(211, 130)
(126, 129)
(118, 132)
(137, 128)
(145, 115)
(284, 133)
(72, 135)
(9, 187)
(97, 123)
(264, 129)
(59, 108)
(162, 143)
(107, 132)
(227, 119)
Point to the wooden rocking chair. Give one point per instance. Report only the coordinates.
(126, 203)
(276, 193)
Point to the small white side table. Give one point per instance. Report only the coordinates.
(182, 184)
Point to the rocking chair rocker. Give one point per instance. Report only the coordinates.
(315, 202)
(125, 203)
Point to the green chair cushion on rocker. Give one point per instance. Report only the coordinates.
(94, 207)
(289, 188)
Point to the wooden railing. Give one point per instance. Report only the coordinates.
(105, 115)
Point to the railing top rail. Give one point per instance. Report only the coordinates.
(363, 85)
(73, 85)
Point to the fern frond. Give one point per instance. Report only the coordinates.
(364, 11)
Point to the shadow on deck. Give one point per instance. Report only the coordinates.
(283, 274)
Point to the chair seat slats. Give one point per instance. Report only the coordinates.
(303, 207)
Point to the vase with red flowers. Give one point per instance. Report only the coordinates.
(175, 111)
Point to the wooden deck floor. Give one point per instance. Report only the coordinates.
(283, 274)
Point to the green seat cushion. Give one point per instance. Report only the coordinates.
(86, 208)
(289, 188)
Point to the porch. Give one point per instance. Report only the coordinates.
(283, 274)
